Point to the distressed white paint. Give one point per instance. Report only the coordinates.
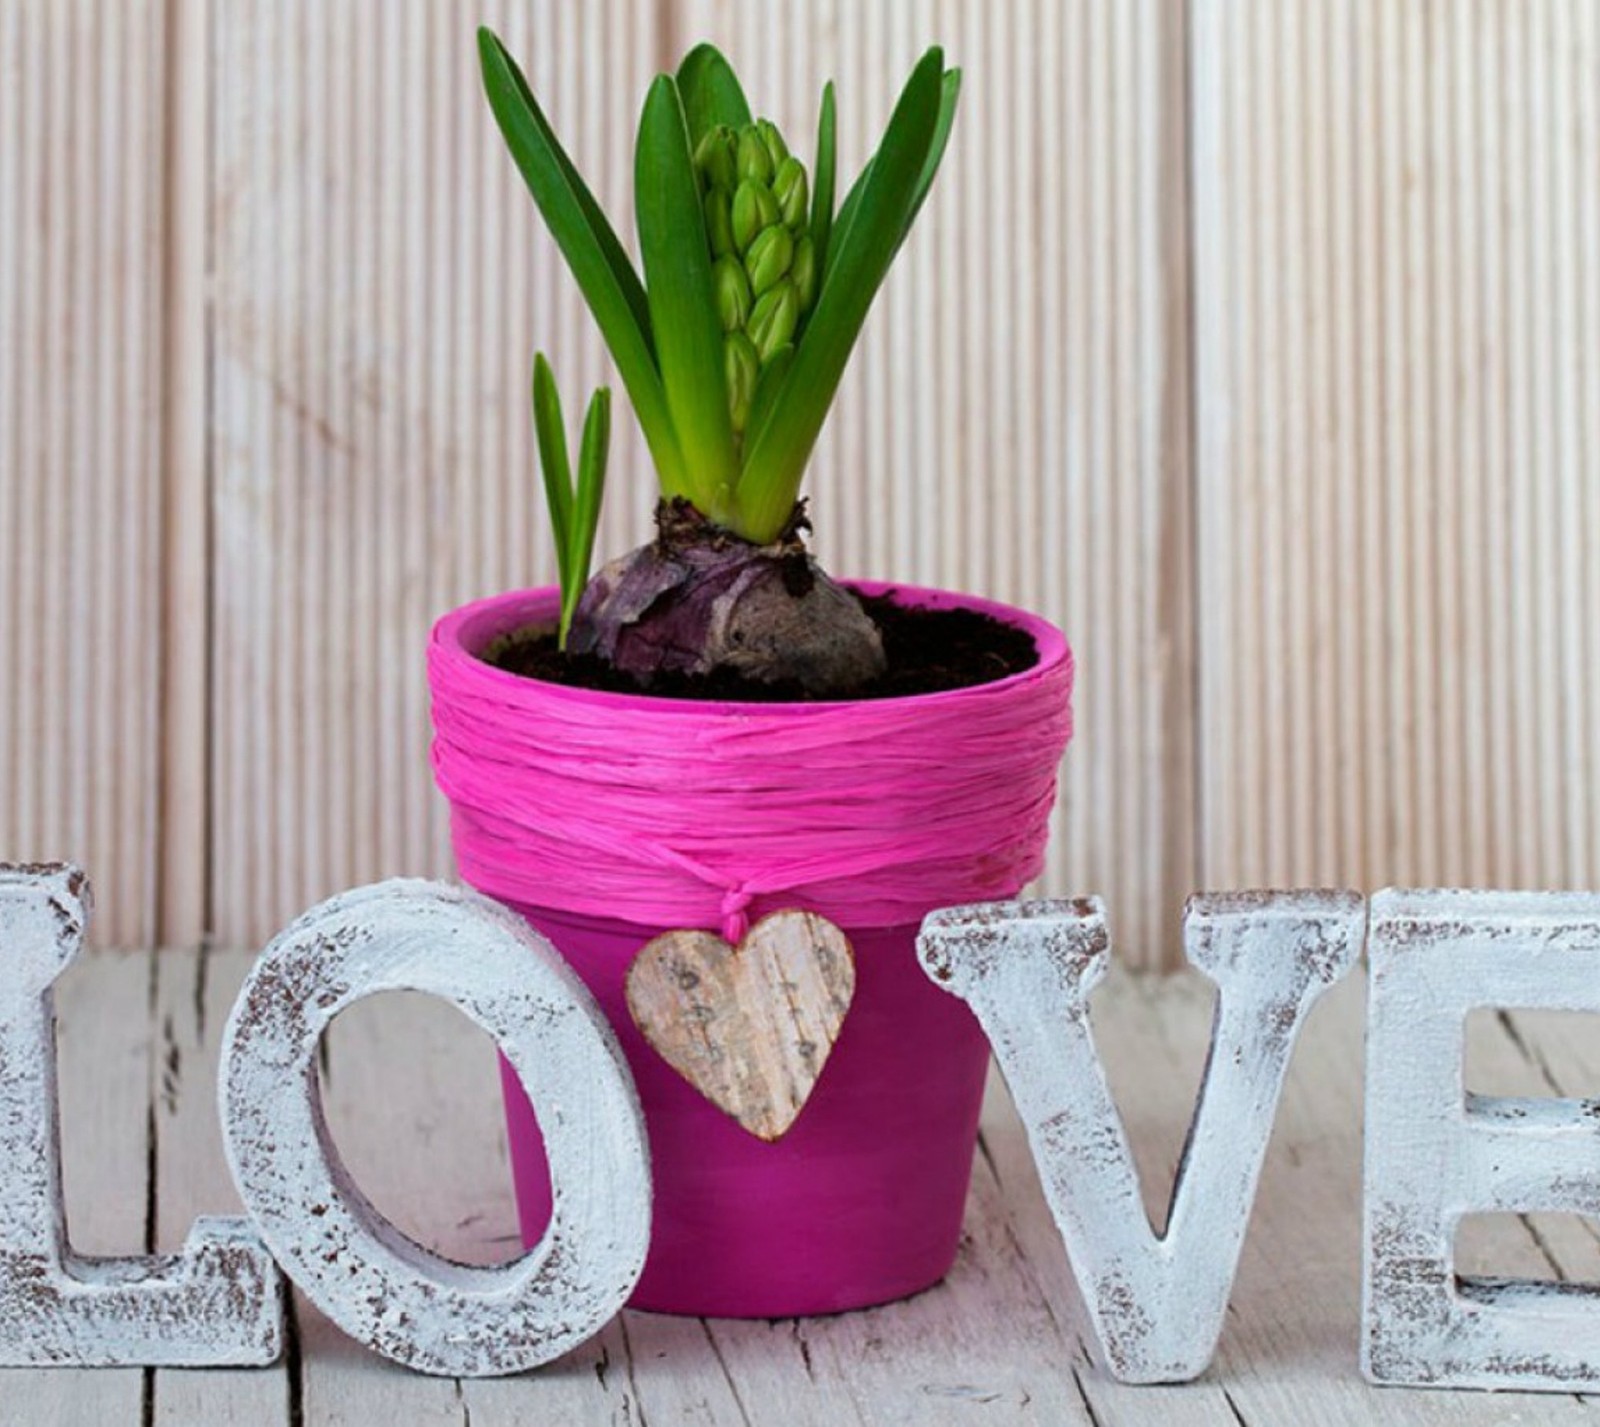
(1436, 1153)
(217, 1302)
(385, 1290)
(997, 1341)
(1156, 1300)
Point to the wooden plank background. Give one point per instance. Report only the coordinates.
(1258, 344)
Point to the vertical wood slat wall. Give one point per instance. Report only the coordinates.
(380, 282)
(1255, 343)
(1397, 496)
(83, 207)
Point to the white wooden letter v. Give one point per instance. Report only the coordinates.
(1027, 968)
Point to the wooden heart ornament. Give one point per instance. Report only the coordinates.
(749, 1026)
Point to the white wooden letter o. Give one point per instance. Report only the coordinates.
(384, 1289)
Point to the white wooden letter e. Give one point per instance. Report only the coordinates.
(218, 1302)
(1156, 1302)
(1436, 1152)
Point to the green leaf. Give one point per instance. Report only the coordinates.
(949, 93)
(587, 241)
(862, 252)
(711, 93)
(515, 109)
(683, 310)
(852, 201)
(768, 384)
(551, 434)
(823, 180)
(592, 453)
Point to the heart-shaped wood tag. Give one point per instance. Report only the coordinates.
(749, 1026)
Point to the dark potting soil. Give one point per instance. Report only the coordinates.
(928, 651)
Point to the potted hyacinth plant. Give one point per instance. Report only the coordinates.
(725, 785)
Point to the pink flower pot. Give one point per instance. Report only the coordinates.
(861, 1202)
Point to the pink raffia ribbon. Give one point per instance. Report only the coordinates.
(680, 813)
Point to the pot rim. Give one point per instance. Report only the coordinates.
(459, 634)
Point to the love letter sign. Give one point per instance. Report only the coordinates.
(1157, 1302)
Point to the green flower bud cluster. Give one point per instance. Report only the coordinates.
(764, 269)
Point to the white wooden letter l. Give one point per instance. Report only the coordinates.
(218, 1302)
(1026, 968)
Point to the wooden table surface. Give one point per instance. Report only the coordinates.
(411, 1094)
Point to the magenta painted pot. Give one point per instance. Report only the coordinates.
(861, 1202)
